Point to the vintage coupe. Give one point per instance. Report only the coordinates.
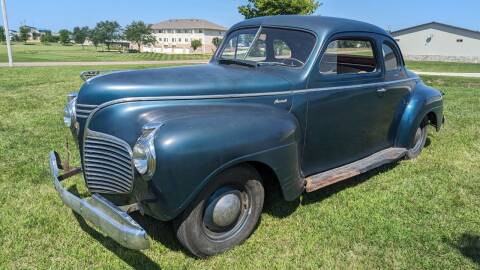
(305, 100)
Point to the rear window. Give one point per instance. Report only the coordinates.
(391, 60)
(348, 56)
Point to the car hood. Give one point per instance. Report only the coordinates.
(207, 79)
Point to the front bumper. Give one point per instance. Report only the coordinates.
(110, 219)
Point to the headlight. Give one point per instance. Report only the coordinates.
(144, 158)
(69, 114)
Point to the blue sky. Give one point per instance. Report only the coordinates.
(58, 14)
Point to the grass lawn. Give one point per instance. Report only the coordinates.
(423, 213)
(443, 66)
(37, 52)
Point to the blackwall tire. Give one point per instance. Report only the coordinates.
(419, 141)
(199, 228)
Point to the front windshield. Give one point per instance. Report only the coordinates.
(268, 46)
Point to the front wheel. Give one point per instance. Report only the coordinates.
(224, 214)
(418, 141)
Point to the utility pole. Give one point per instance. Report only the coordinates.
(7, 33)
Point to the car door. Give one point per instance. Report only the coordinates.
(347, 118)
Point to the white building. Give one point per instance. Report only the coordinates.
(439, 42)
(175, 36)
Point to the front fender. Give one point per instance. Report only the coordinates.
(197, 141)
(424, 100)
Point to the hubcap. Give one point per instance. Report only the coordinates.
(223, 209)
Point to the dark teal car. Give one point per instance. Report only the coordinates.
(303, 101)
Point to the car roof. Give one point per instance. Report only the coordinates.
(322, 25)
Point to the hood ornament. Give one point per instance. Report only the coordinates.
(85, 75)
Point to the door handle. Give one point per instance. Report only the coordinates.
(381, 91)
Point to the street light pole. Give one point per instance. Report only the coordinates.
(7, 33)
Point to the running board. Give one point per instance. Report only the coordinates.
(333, 176)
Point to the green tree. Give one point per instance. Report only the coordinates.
(64, 36)
(106, 31)
(216, 41)
(139, 33)
(257, 8)
(94, 37)
(35, 35)
(24, 31)
(80, 34)
(2, 34)
(46, 38)
(195, 44)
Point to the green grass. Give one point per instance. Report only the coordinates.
(432, 66)
(37, 52)
(423, 213)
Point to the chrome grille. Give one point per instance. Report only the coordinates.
(107, 164)
(84, 110)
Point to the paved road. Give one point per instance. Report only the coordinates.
(103, 63)
(449, 74)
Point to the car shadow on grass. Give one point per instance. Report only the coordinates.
(136, 259)
(469, 245)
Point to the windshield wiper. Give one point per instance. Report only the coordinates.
(236, 62)
(272, 64)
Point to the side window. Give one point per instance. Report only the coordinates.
(281, 49)
(391, 60)
(348, 56)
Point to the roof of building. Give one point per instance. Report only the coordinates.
(322, 25)
(187, 24)
(438, 26)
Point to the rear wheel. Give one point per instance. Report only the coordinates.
(224, 214)
(418, 141)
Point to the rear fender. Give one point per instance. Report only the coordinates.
(424, 101)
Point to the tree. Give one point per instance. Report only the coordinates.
(139, 33)
(46, 38)
(35, 35)
(80, 34)
(2, 34)
(24, 31)
(216, 41)
(257, 8)
(64, 36)
(195, 43)
(94, 37)
(106, 31)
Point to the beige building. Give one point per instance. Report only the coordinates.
(439, 42)
(175, 36)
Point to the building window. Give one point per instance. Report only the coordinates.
(460, 40)
(165, 39)
(174, 39)
(186, 39)
(200, 30)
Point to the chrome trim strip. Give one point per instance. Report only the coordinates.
(106, 216)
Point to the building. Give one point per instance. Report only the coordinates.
(439, 42)
(175, 36)
(33, 33)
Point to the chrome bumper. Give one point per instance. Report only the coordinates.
(111, 220)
